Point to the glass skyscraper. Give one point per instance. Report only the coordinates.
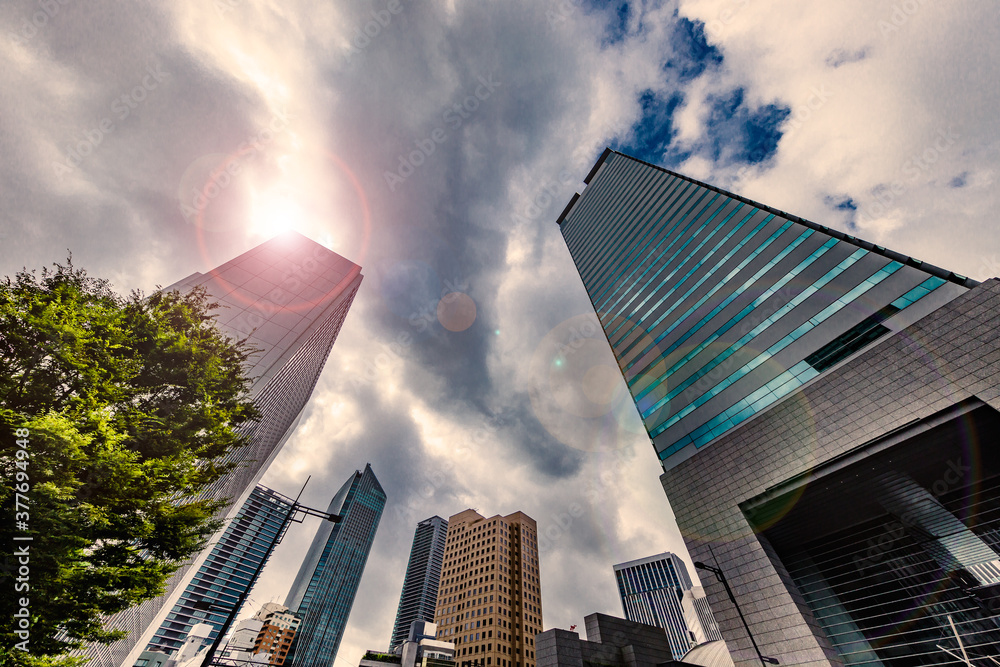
(716, 307)
(823, 409)
(226, 573)
(324, 588)
(289, 297)
(651, 590)
(418, 599)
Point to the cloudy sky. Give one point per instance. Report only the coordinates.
(435, 144)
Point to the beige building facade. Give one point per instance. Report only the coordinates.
(489, 599)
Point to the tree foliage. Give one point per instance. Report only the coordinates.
(130, 404)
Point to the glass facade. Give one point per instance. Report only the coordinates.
(418, 600)
(909, 561)
(716, 307)
(289, 297)
(226, 573)
(324, 588)
(651, 590)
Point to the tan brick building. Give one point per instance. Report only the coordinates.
(489, 599)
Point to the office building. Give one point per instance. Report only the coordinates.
(419, 648)
(820, 407)
(277, 633)
(610, 642)
(699, 616)
(418, 600)
(651, 590)
(717, 307)
(288, 297)
(264, 638)
(225, 575)
(657, 590)
(489, 601)
(323, 591)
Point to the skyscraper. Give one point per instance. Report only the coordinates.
(226, 573)
(820, 407)
(652, 589)
(418, 600)
(716, 307)
(289, 297)
(324, 588)
(489, 602)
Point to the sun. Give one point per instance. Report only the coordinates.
(276, 212)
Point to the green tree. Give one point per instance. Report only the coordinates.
(129, 405)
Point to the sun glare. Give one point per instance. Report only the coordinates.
(274, 213)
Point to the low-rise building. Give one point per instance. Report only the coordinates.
(276, 634)
(618, 642)
(610, 642)
(420, 649)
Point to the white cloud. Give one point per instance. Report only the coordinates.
(892, 127)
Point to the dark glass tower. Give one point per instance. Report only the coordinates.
(823, 409)
(324, 588)
(716, 307)
(288, 297)
(225, 574)
(418, 600)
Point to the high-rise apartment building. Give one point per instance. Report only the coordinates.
(489, 601)
(418, 600)
(288, 297)
(652, 590)
(821, 408)
(323, 591)
(225, 575)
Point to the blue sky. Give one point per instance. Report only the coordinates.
(435, 144)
